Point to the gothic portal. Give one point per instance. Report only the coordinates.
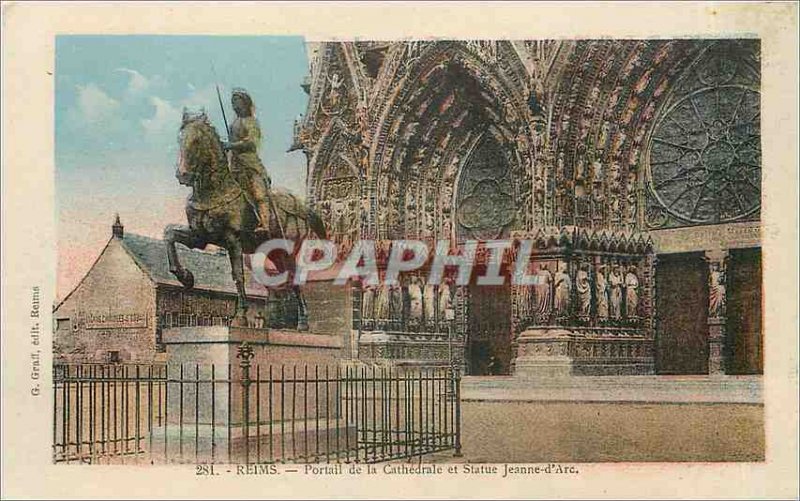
(634, 167)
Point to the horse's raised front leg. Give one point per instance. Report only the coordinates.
(176, 234)
(234, 248)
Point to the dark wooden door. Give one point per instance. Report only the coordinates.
(489, 334)
(682, 314)
(745, 340)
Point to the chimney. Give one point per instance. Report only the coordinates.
(117, 230)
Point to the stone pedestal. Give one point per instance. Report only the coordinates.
(543, 353)
(716, 345)
(211, 386)
(203, 367)
(552, 352)
(408, 349)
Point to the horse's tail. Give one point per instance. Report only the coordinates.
(317, 225)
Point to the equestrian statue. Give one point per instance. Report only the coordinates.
(233, 204)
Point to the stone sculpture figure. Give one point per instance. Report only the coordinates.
(716, 291)
(563, 288)
(526, 298)
(243, 162)
(445, 303)
(382, 305)
(601, 293)
(396, 304)
(543, 291)
(584, 289)
(232, 209)
(429, 306)
(615, 281)
(631, 293)
(415, 307)
(368, 303)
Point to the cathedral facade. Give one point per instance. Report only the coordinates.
(632, 166)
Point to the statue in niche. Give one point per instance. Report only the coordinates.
(560, 165)
(613, 207)
(631, 200)
(631, 293)
(539, 192)
(595, 93)
(597, 204)
(525, 302)
(368, 303)
(614, 174)
(429, 306)
(605, 133)
(615, 281)
(597, 171)
(565, 123)
(381, 308)
(396, 304)
(580, 168)
(447, 228)
(334, 82)
(563, 287)
(716, 291)
(584, 289)
(415, 307)
(613, 100)
(429, 223)
(601, 293)
(445, 303)
(543, 294)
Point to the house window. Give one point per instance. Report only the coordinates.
(62, 324)
(113, 357)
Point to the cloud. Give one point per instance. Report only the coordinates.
(93, 104)
(167, 114)
(205, 97)
(166, 117)
(137, 82)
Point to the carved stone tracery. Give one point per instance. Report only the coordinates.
(482, 139)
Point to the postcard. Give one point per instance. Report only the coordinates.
(440, 250)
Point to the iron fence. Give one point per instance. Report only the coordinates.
(243, 413)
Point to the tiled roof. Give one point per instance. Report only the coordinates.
(211, 270)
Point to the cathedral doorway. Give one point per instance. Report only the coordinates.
(745, 339)
(682, 314)
(489, 330)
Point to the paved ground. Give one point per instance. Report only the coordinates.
(685, 389)
(608, 419)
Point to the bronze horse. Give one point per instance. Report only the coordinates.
(219, 214)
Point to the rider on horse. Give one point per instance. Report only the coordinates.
(244, 164)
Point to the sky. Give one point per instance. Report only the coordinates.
(118, 106)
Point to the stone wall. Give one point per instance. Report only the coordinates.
(329, 307)
(112, 310)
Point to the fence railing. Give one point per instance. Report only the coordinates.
(243, 413)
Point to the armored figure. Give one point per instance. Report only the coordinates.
(244, 163)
